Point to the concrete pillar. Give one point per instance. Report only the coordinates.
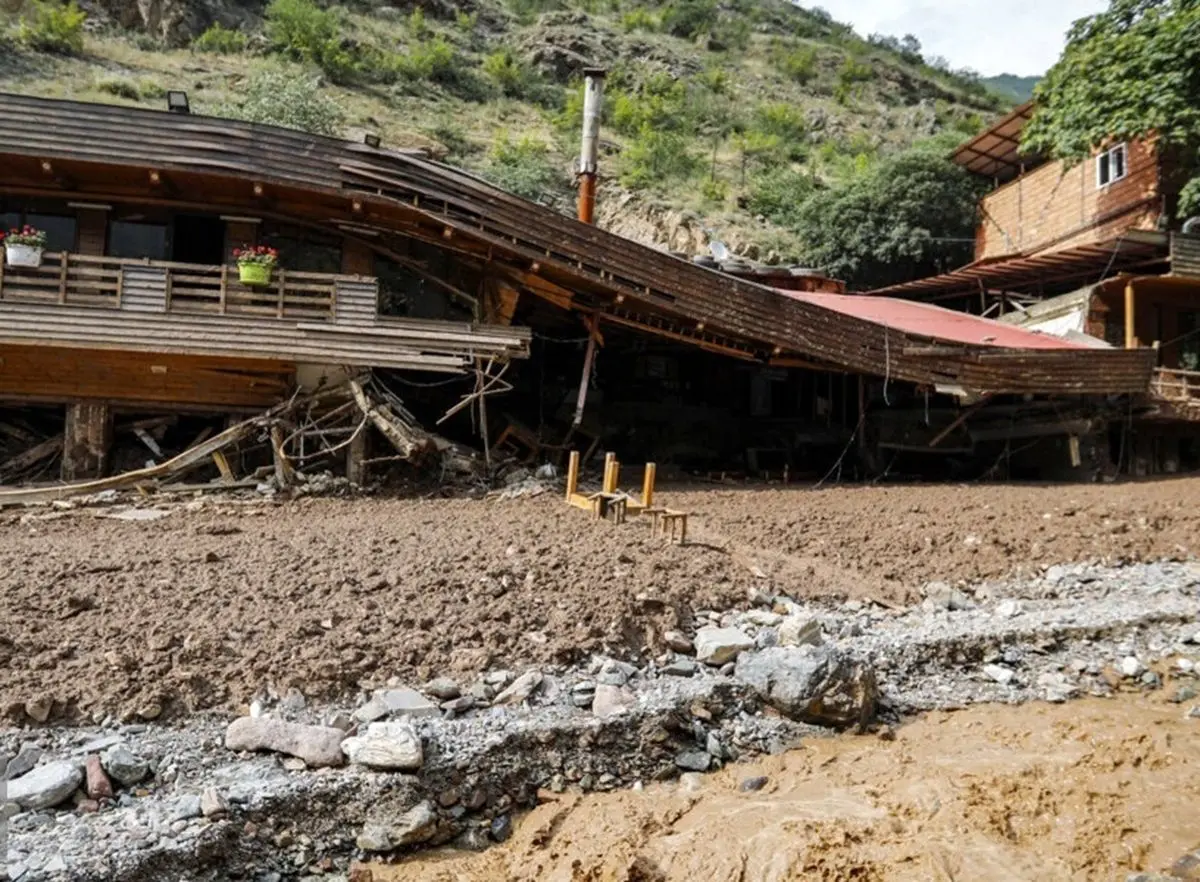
(87, 436)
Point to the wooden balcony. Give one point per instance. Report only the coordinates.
(1180, 386)
(156, 286)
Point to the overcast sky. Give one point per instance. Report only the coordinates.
(1020, 37)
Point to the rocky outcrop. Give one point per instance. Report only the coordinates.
(174, 22)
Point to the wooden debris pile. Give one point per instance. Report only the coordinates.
(292, 447)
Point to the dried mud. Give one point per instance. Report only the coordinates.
(219, 601)
(1089, 791)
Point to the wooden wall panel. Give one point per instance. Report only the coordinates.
(1057, 207)
(46, 373)
(237, 234)
(357, 258)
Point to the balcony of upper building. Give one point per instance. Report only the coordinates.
(141, 280)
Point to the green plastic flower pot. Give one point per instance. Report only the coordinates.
(254, 273)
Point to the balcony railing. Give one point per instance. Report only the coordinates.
(1173, 384)
(157, 286)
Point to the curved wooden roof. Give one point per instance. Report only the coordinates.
(98, 151)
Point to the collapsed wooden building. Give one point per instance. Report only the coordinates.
(423, 275)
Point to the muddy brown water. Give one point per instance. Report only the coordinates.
(1083, 792)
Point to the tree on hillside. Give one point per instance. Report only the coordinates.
(1130, 72)
(907, 216)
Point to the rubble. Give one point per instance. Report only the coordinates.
(389, 746)
(718, 646)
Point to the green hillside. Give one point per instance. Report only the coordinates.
(721, 120)
(1011, 86)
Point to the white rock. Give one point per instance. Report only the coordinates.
(318, 746)
(389, 746)
(677, 641)
(123, 765)
(1186, 665)
(1131, 666)
(213, 804)
(46, 786)
(717, 646)
(1000, 674)
(405, 702)
(521, 689)
(761, 617)
(800, 630)
(373, 710)
(612, 700)
(1007, 609)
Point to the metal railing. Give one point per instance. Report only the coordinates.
(159, 286)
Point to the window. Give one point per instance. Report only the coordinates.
(59, 229)
(1111, 166)
(133, 239)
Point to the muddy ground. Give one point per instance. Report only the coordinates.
(218, 601)
(1089, 791)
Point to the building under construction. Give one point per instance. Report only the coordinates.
(418, 299)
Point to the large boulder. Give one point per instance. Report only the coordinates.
(716, 646)
(388, 746)
(46, 786)
(318, 746)
(812, 684)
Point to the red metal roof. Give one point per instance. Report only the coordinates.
(934, 322)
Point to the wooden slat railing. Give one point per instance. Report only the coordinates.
(1174, 384)
(84, 280)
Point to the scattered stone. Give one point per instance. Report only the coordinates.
(683, 667)
(1132, 667)
(457, 706)
(405, 702)
(46, 786)
(1057, 687)
(443, 689)
(472, 839)
(941, 596)
(23, 762)
(1186, 665)
(886, 733)
(416, 825)
(1184, 693)
(521, 689)
(714, 746)
(677, 641)
(1002, 675)
(98, 785)
(751, 785)
(1008, 609)
(819, 685)
(55, 865)
(798, 630)
(39, 709)
(717, 646)
(318, 746)
(375, 709)
(501, 828)
(294, 701)
(762, 618)
(292, 764)
(693, 760)
(213, 804)
(690, 782)
(389, 746)
(186, 808)
(609, 701)
(583, 694)
(340, 721)
(124, 766)
(499, 679)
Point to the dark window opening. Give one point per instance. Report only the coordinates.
(301, 250)
(137, 240)
(198, 239)
(1189, 340)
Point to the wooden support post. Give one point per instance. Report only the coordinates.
(572, 474)
(610, 473)
(87, 437)
(62, 278)
(648, 484)
(356, 454)
(224, 287)
(223, 466)
(282, 287)
(1131, 341)
(284, 475)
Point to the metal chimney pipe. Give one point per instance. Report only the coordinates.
(593, 99)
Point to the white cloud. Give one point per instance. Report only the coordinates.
(1022, 36)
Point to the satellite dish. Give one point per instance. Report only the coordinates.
(718, 249)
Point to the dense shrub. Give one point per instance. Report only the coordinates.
(50, 26)
(656, 157)
(799, 63)
(777, 193)
(512, 76)
(689, 18)
(288, 99)
(639, 19)
(119, 87)
(220, 41)
(526, 168)
(305, 32)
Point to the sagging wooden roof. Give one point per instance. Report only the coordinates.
(106, 150)
(996, 151)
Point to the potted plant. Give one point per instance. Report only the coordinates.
(255, 263)
(23, 246)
